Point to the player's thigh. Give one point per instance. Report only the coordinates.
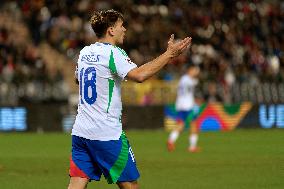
(181, 120)
(81, 163)
(180, 127)
(116, 160)
(128, 185)
(78, 183)
(130, 172)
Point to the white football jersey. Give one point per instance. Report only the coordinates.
(185, 93)
(101, 68)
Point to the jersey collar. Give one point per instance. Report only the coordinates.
(103, 43)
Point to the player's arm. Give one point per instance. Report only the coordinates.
(147, 70)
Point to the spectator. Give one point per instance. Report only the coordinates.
(233, 41)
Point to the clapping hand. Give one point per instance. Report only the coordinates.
(175, 48)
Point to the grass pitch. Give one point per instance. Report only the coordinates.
(242, 159)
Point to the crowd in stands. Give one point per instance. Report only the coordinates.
(23, 73)
(233, 41)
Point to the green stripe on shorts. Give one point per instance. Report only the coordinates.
(120, 163)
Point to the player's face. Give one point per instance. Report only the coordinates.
(194, 71)
(197, 71)
(119, 32)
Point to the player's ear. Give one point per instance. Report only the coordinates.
(110, 31)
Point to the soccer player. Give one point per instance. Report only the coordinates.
(99, 145)
(187, 109)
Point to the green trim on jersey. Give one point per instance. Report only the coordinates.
(194, 114)
(122, 51)
(111, 64)
(120, 163)
(110, 92)
(113, 70)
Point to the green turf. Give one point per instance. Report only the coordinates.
(243, 159)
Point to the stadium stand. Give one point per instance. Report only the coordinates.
(238, 44)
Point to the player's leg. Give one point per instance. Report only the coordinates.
(181, 117)
(174, 136)
(78, 183)
(116, 160)
(176, 132)
(128, 185)
(193, 137)
(82, 167)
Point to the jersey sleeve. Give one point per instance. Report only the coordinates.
(191, 82)
(120, 63)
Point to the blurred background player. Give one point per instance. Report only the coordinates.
(186, 108)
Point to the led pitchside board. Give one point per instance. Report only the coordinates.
(271, 116)
(13, 119)
(211, 117)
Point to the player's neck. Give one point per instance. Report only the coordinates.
(107, 40)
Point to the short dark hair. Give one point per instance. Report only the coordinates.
(102, 20)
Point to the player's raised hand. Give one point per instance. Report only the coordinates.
(175, 48)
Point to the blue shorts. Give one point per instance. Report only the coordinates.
(92, 158)
(185, 117)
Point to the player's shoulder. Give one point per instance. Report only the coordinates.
(119, 50)
(85, 50)
(187, 80)
(184, 78)
(91, 54)
(96, 47)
